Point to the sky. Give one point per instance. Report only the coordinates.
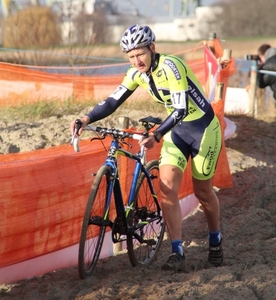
(156, 8)
(147, 8)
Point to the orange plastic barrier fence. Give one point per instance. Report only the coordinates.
(21, 85)
(44, 192)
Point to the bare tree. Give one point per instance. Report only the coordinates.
(246, 18)
(101, 33)
(32, 28)
(37, 34)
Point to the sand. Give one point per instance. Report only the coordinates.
(248, 222)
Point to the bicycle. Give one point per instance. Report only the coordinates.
(139, 222)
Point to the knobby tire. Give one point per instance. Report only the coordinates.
(92, 233)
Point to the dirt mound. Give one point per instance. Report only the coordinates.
(248, 218)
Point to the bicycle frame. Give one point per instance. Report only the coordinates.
(115, 187)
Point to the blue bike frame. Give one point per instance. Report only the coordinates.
(111, 162)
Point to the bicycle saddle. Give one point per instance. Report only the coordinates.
(151, 119)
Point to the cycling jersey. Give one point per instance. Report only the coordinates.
(172, 83)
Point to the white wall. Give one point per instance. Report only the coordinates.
(180, 29)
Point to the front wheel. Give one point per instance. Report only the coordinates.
(146, 220)
(94, 226)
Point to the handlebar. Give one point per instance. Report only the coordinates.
(116, 133)
(148, 123)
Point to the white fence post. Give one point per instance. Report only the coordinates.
(252, 92)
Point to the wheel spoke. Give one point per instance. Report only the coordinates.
(146, 221)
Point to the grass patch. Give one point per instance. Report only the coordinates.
(42, 109)
(149, 106)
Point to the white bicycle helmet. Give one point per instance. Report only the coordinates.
(136, 36)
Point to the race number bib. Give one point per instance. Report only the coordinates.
(179, 99)
(118, 93)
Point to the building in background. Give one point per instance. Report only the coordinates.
(171, 20)
(174, 20)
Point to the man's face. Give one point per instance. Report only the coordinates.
(262, 58)
(140, 58)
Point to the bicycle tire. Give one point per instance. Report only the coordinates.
(93, 227)
(152, 231)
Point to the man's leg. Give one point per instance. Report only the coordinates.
(206, 195)
(170, 178)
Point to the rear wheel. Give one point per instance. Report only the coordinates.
(146, 220)
(93, 227)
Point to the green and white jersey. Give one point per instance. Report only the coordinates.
(173, 84)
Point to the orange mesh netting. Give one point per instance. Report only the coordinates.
(44, 192)
(22, 84)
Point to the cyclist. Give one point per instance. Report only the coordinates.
(190, 130)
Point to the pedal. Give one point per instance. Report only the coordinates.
(119, 228)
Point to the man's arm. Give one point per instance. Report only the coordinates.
(109, 105)
(264, 80)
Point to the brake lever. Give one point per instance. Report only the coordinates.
(126, 143)
(75, 137)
